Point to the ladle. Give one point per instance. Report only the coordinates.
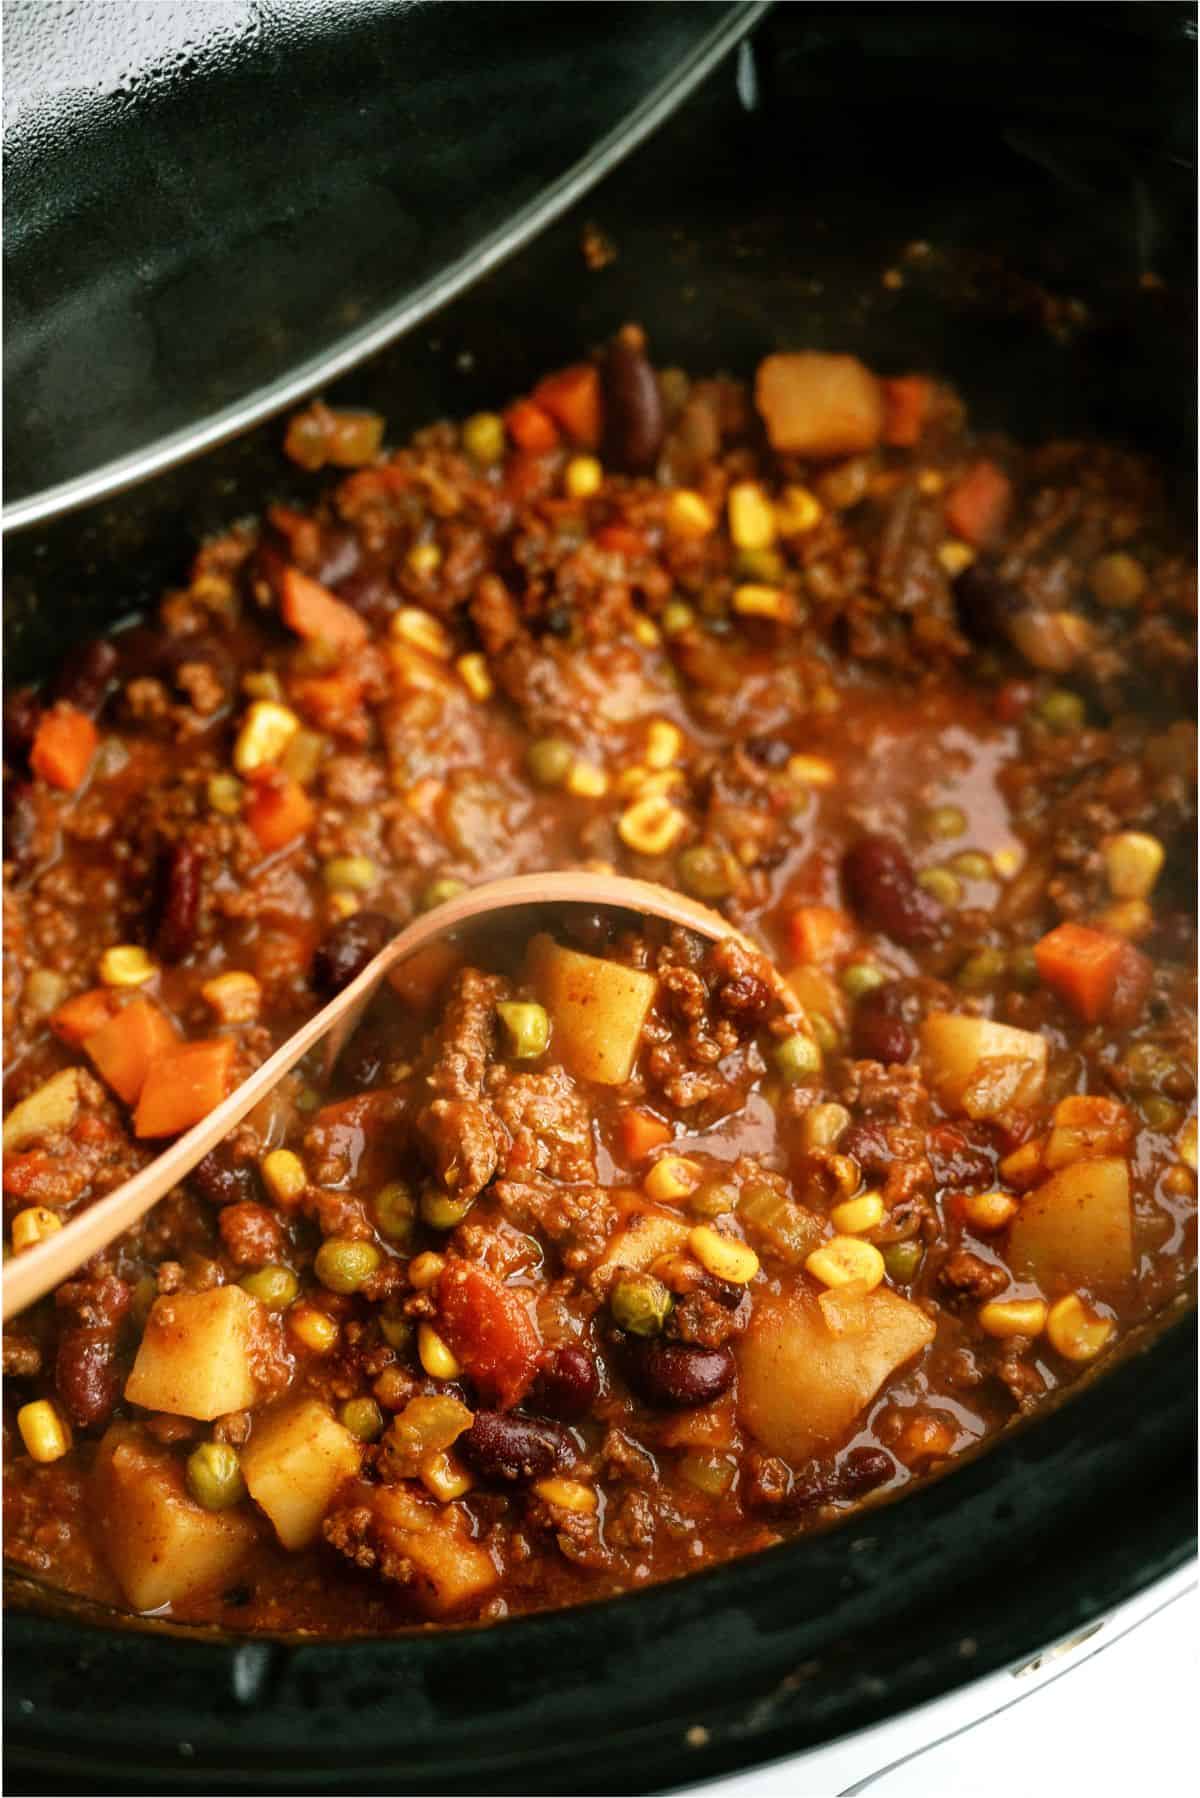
(37, 1270)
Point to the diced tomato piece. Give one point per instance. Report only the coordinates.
(572, 398)
(78, 1018)
(124, 1049)
(531, 428)
(640, 1132)
(820, 933)
(977, 506)
(23, 1172)
(420, 977)
(312, 611)
(63, 747)
(1081, 965)
(184, 1086)
(278, 811)
(489, 1328)
(905, 409)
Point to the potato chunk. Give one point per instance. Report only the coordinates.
(801, 1387)
(195, 1356)
(597, 1009)
(1076, 1229)
(448, 1570)
(645, 1237)
(979, 1068)
(54, 1106)
(294, 1463)
(819, 405)
(160, 1544)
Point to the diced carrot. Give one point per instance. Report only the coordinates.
(489, 1328)
(640, 1132)
(820, 933)
(24, 1173)
(278, 811)
(419, 979)
(572, 398)
(332, 702)
(531, 428)
(905, 409)
(125, 1049)
(528, 477)
(63, 747)
(313, 611)
(1080, 965)
(78, 1018)
(978, 505)
(184, 1086)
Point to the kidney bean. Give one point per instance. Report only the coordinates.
(347, 949)
(882, 887)
(180, 651)
(955, 1159)
(986, 603)
(86, 1375)
(569, 1385)
(22, 715)
(633, 408)
(502, 1446)
(221, 1180)
(678, 1374)
(179, 915)
(879, 1032)
(86, 676)
(863, 1469)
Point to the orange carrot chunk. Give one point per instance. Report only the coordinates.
(572, 398)
(125, 1048)
(78, 1018)
(820, 933)
(278, 811)
(63, 747)
(184, 1086)
(905, 409)
(640, 1132)
(978, 505)
(312, 611)
(530, 427)
(1080, 965)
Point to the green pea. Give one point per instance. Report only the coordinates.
(527, 1027)
(214, 1476)
(344, 1264)
(395, 1209)
(1062, 712)
(677, 617)
(640, 1304)
(1023, 968)
(441, 1210)
(439, 891)
(715, 1199)
(1147, 1066)
(902, 1259)
(363, 1418)
(797, 1057)
(273, 1286)
(710, 1474)
(825, 1032)
(706, 872)
(861, 978)
(549, 760)
(945, 822)
(397, 1330)
(982, 969)
(944, 886)
(973, 864)
(483, 437)
(1161, 1115)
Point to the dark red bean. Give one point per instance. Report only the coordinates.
(86, 677)
(956, 1161)
(863, 1469)
(986, 602)
(879, 1032)
(569, 1385)
(221, 1180)
(882, 888)
(22, 715)
(505, 1447)
(633, 408)
(347, 949)
(179, 916)
(744, 996)
(678, 1375)
(179, 652)
(86, 1376)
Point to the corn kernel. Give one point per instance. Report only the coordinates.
(798, 511)
(33, 1225)
(483, 437)
(664, 741)
(315, 1329)
(671, 1178)
(225, 794)
(1130, 918)
(266, 731)
(284, 1176)
(583, 477)
(1023, 1168)
(677, 617)
(989, 1210)
(753, 601)
(846, 1258)
(930, 481)
(126, 965)
(651, 825)
(422, 631)
(751, 518)
(303, 756)
(688, 515)
(476, 679)
(1185, 1142)
(341, 905)
(824, 1124)
(235, 997)
(723, 1256)
(1013, 1317)
(423, 560)
(955, 556)
(44, 1431)
(425, 1270)
(568, 1495)
(1008, 862)
(444, 1477)
(811, 771)
(262, 683)
(646, 632)
(435, 1356)
(586, 781)
(349, 874)
(640, 781)
(854, 1217)
(1133, 862)
(1074, 1332)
